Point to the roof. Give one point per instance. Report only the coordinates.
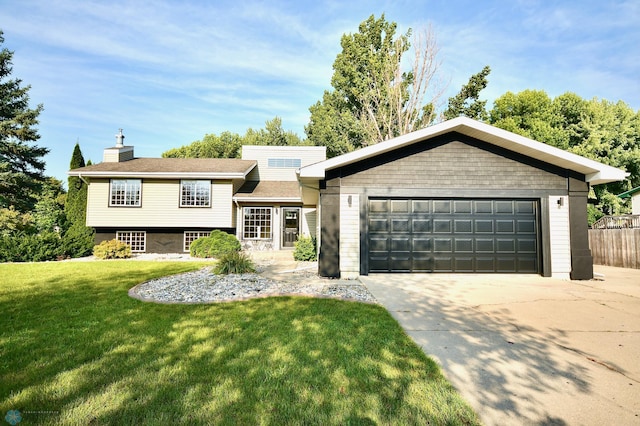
(595, 172)
(630, 192)
(181, 168)
(268, 191)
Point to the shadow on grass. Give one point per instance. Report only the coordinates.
(80, 346)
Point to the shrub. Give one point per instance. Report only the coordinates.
(305, 249)
(234, 262)
(215, 245)
(78, 241)
(112, 249)
(23, 247)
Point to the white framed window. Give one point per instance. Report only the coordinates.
(257, 223)
(191, 236)
(137, 240)
(195, 193)
(284, 163)
(125, 192)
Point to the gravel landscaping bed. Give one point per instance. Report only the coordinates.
(204, 286)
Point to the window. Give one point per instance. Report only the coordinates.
(125, 192)
(257, 223)
(137, 240)
(191, 236)
(284, 163)
(195, 193)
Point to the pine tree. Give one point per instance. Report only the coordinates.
(21, 163)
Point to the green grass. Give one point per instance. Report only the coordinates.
(75, 349)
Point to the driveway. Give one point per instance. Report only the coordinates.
(525, 349)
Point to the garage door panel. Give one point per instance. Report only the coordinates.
(400, 225)
(464, 264)
(505, 246)
(442, 206)
(463, 226)
(462, 207)
(443, 264)
(442, 226)
(506, 264)
(422, 225)
(400, 245)
(422, 245)
(463, 245)
(505, 226)
(378, 225)
(527, 246)
(484, 226)
(456, 235)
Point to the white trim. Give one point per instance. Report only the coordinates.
(595, 172)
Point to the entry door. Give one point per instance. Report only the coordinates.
(290, 230)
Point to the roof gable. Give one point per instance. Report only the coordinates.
(595, 172)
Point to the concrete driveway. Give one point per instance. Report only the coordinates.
(525, 349)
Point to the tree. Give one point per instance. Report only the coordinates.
(48, 213)
(21, 163)
(228, 145)
(598, 129)
(78, 238)
(373, 99)
(76, 204)
(467, 102)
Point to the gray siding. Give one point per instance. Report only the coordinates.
(452, 165)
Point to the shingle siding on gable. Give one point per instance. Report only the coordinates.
(452, 164)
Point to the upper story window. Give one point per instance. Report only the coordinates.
(195, 193)
(284, 163)
(125, 192)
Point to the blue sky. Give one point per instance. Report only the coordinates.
(168, 72)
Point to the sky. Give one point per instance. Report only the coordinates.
(169, 72)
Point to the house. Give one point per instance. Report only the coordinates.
(161, 205)
(459, 196)
(634, 194)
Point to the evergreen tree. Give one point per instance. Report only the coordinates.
(21, 163)
(78, 238)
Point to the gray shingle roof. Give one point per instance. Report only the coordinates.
(207, 167)
(276, 190)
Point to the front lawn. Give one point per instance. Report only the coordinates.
(75, 349)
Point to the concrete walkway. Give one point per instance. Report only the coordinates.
(525, 349)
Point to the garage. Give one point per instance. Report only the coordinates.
(460, 196)
(453, 235)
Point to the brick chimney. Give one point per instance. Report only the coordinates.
(119, 153)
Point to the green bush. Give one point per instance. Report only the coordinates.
(23, 247)
(234, 262)
(112, 249)
(305, 249)
(215, 245)
(78, 241)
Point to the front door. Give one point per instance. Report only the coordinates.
(291, 226)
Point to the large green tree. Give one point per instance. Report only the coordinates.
(21, 163)
(467, 102)
(228, 144)
(598, 129)
(373, 98)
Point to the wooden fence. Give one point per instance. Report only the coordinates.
(615, 247)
